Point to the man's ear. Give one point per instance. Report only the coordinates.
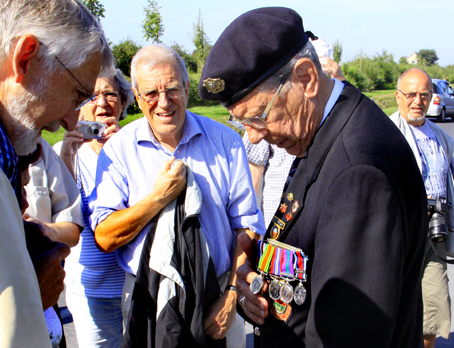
(136, 94)
(306, 73)
(397, 96)
(27, 48)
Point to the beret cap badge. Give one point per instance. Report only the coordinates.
(214, 85)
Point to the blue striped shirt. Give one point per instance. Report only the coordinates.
(91, 272)
(130, 161)
(8, 158)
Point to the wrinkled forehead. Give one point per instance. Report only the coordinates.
(416, 82)
(159, 76)
(106, 84)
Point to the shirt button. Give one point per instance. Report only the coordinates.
(256, 331)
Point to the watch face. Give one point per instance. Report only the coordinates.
(286, 293)
(300, 294)
(257, 284)
(274, 290)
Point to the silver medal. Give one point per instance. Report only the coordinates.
(286, 293)
(300, 294)
(257, 284)
(274, 290)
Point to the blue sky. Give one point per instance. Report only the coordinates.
(400, 27)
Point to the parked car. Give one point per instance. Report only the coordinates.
(442, 103)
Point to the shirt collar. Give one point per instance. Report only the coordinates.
(190, 129)
(335, 94)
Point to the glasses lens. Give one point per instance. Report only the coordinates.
(255, 122)
(175, 93)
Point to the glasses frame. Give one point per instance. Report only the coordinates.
(257, 122)
(90, 96)
(182, 88)
(97, 96)
(410, 98)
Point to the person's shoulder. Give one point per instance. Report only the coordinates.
(212, 125)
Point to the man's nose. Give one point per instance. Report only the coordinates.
(69, 121)
(163, 100)
(255, 136)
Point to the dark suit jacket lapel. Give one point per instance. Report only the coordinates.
(313, 159)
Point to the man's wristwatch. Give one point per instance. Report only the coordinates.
(230, 287)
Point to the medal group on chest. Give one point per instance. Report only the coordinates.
(280, 264)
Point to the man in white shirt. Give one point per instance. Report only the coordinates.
(433, 150)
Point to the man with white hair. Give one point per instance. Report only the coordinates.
(136, 179)
(50, 55)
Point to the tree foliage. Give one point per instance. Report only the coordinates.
(190, 61)
(201, 42)
(337, 51)
(427, 57)
(124, 52)
(152, 25)
(95, 7)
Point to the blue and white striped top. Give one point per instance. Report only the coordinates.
(90, 272)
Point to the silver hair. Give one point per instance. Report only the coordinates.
(308, 51)
(65, 28)
(401, 77)
(124, 86)
(157, 54)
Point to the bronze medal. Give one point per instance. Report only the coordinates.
(283, 208)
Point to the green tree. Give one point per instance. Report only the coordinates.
(124, 52)
(191, 63)
(337, 51)
(95, 7)
(152, 25)
(201, 42)
(427, 57)
(403, 60)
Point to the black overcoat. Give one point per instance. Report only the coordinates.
(362, 220)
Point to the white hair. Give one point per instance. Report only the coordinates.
(124, 87)
(157, 54)
(65, 28)
(308, 51)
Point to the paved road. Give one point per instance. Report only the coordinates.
(441, 342)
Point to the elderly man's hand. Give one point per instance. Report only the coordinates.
(220, 316)
(330, 67)
(254, 306)
(171, 180)
(50, 273)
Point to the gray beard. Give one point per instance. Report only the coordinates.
(25, 135)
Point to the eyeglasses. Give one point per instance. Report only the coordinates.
(257, 122)
(90, 97)
(153, 95)
(111, 96)
(412, 96)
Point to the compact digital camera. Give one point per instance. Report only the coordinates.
(92, 130)
(438, 230)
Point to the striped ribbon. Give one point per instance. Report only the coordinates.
(287, 267)
(265, 259)
(301, 264)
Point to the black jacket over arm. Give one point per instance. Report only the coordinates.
(362, 222)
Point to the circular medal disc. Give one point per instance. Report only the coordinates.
(274, 290)
(257, 284)
(300, 294)
(286, 293)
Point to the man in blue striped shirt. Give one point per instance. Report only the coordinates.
(135, 180)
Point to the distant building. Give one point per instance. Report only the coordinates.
(413, 58)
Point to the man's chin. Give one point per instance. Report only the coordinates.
(52, 127)
(26, 144)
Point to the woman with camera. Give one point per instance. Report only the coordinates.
(94, 280)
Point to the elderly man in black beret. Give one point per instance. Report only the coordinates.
(340, 264)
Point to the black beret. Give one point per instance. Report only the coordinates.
(251, 49)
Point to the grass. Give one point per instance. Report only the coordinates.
(385, 99)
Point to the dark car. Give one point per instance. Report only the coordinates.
(442, 103)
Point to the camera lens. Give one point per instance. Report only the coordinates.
(438, 231)
(95, 130)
